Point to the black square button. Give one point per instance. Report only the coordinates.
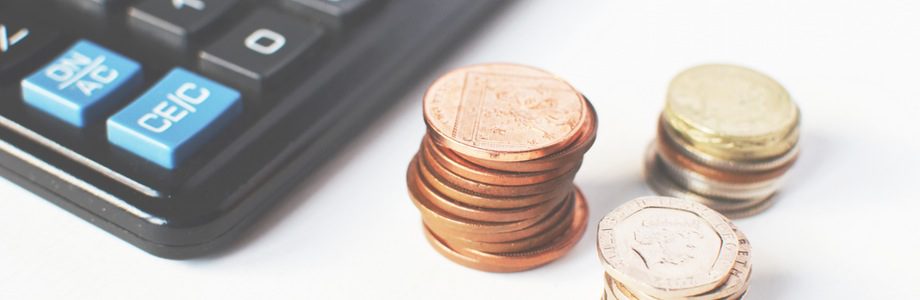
(176, 22)
(259, 50)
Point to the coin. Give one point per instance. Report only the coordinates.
(543, 188)
(476, 199)
(463, 167)
(737, 165)
(667, 247)
(503, 112)
(738, 278)
(456, 208)
(662, 184)
(563, 212)
(433, 213)
(573, 152)
(540, 238)
(493, 176)
(731, 112)
(667, 149)
(518, 261)
(710, 187)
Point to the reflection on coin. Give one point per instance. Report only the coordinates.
(662, 184)
(731, 112)
(518, 261)
(667, 247)
(503, 112)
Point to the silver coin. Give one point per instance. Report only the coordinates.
(706, 186)
(663, 185)
(688, 150)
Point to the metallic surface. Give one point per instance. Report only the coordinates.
(662, 184)
(732, 112)
(573, 152)
(667, 246)
(518, 261)
(503, 112)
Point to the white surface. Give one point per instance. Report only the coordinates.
(845, 226)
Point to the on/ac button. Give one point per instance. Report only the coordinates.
(173, 119)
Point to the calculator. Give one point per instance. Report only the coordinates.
(175, 124)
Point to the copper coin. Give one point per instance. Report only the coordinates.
(531, 242)
(518, 261)
(433, 214)
(462, 167)
(497, 190)
(503, 112)
(476, 199)
(456, 208)
(662, 184)
(666, 149)
(563, 211)
(573, 152)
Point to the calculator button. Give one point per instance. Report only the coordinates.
(19, 42)
(259, 49)
(177, 21)
(174, 118)
(96, 6)
(83, 84)
(338, 9)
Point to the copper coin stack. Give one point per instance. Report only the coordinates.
(670, 248)
(493, 176)
(726, 138)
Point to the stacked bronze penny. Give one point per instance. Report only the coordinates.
(493, 176)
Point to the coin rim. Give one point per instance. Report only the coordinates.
(716, 275)
(498, 155)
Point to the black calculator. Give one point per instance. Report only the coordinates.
(174, 124)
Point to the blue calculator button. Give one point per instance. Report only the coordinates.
(83, 84)
(174, 118)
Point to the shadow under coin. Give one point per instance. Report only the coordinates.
(603, 197)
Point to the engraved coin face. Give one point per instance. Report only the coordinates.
(503, 112)
(731, 101)
(667, 246)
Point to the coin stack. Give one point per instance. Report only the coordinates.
(671, 248)
(726, 137)
(493, 176)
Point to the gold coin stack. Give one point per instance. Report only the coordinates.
(670, 248)
(493, 176)
(725, 139)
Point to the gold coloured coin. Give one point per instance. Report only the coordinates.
(503, 112)
(732, 112)
(667, 247)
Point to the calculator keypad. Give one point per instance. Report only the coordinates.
(174, 118)
(83, 84)
(176, 22)
(260, 50)
(19, 41)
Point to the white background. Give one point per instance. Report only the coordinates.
(845, 225)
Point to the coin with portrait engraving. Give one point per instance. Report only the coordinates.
(503, 112)
(667, 247)
(732, 112)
